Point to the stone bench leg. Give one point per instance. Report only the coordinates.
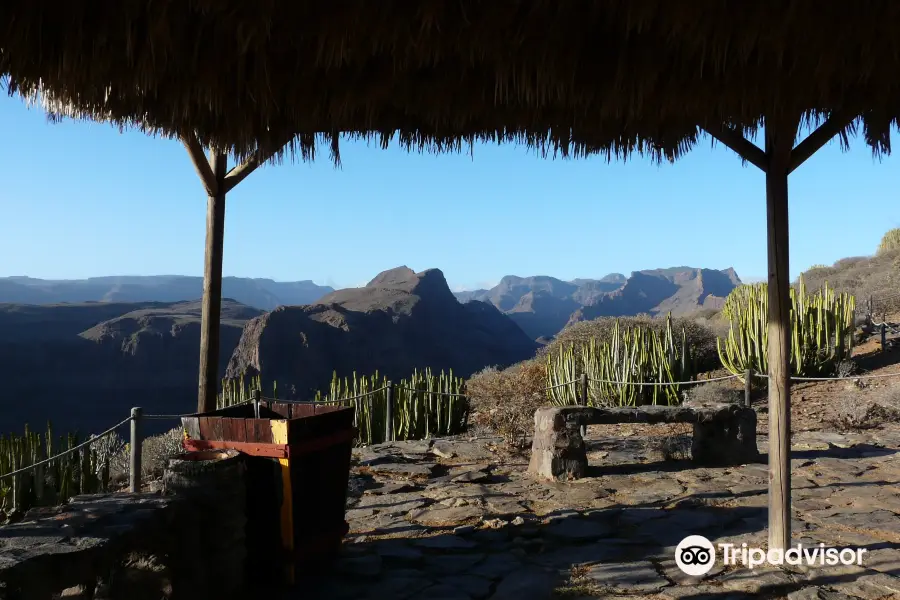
(732, 442)
(557, 450)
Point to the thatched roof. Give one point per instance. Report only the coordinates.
(578, 76)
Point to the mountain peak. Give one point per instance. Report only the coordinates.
(397, 276)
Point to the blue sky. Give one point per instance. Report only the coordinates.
(82, 199)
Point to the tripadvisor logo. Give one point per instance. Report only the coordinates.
(695, 555)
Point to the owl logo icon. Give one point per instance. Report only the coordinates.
(695, 555)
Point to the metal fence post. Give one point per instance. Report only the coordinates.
(135, 466)
(748, 386)
(389, 413)
(883, 334)
(257, 396)
(583, 393)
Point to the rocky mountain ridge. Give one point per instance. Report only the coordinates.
(542, 306)
(264, 294)
(398, 322)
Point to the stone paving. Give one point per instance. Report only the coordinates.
(55, 548)
(453, 519)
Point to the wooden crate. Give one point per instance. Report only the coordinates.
(298, 472)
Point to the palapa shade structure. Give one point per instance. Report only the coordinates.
(578, 77)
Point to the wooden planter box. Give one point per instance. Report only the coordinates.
(297, 474)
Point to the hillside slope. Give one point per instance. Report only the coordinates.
(399, 321)
(84, 366)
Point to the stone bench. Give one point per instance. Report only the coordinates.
(724, 434)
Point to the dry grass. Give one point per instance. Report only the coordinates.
(155, 451)
(715, 392)
(876, 276)
(868, 411)
(504, 402)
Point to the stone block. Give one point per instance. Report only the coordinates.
(724, 434)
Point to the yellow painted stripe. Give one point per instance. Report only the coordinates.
(279, 436)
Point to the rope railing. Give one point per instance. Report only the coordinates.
(559, 385)
(88, 442)
(172, 417)
(661, 383)
(335, 401)
(136, 414)
(431, 393)
(846, 378)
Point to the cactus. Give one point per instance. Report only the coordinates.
(84, 471)
(420, 411)
(420, 408)
(633, 355)
(821, 330)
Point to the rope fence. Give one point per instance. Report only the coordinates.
(137, 415)
(88, 442)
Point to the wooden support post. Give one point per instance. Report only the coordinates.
(136, 445)
(257, 397)
(583, 398)
(389, 413)
(748, 387)
(883, 335)
(777, 162)
(780, 132)
(212, 288)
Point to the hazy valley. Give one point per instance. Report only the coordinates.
(82, 352)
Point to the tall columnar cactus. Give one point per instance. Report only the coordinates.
(84, 471)
(425, 405)
(617, 367)
(821, 330)
(237, 391)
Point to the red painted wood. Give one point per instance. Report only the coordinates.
(262, 430)
(254, 448)
(205, 429)
(282, 409)
(216, 426)
(251, 448)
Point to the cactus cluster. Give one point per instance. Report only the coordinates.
(616, 367)
(85, 471)
(238, 391)
(421, 405)
(821, 330)
(420, 409)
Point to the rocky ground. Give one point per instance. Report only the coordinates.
(460, 519)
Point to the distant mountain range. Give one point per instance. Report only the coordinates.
(263, 294)
(83, 365)
(542, 306)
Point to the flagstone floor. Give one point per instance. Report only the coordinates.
(458, 519)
